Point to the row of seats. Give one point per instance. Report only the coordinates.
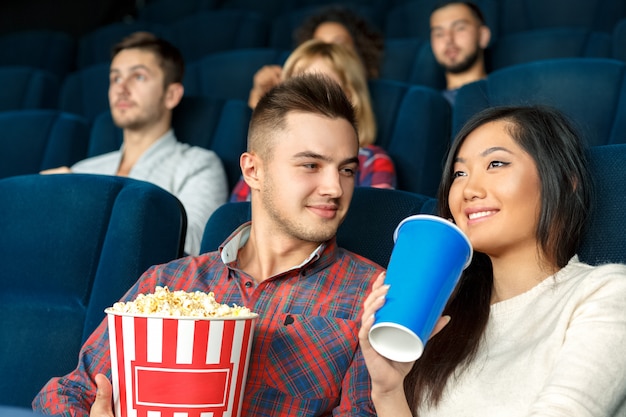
(405, 18)
(415, 123)
(229, 74)
(209, 32)
(98, 233)
(34, 140)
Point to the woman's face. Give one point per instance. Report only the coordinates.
(333, 32)
(495, 196)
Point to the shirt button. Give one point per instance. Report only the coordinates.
(248, 284)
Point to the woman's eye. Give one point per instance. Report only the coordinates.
(496, 164)
(457, 174)
(140, 77)
(309, 166)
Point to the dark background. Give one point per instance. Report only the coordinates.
(75, 17)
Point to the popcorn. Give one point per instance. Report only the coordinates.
(166, 303)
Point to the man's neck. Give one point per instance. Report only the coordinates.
(263, 258)
(136, 143)
(454, 81)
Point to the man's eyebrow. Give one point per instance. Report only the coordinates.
(133, 68)
(454, 23)
(315, 155)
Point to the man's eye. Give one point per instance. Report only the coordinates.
(140, 77)
(349, 172)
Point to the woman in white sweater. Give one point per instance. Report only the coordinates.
(533, 331)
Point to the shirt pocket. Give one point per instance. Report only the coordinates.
(309, 356)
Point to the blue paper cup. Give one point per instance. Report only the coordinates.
(429, 255)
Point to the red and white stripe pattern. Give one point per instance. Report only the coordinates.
(170, 367)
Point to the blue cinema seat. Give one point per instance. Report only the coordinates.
(595, 15)
(28, 88)
(95, 47)
(71, 245)
(33, 140)
(367, 230)
(50, 50)
(619, 41)
(414, 128)
(86, 91)
(229, 74)
(411, 60)
(547, 43)
(216, 124)
(605, 241)
(211, 31)
(591, 91)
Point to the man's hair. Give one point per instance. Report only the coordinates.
(169, 57)
(307, 93)
(476, 12)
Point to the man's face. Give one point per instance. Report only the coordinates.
(307, 185)
(136, 91)
(457, 38)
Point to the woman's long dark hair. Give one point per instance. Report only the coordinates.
(558, 151)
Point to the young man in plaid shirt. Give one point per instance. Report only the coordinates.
(285, 265)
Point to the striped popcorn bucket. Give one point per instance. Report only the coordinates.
(179, 367)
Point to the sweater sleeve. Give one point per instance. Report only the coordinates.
(587, 378)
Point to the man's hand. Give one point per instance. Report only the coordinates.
(104, 397)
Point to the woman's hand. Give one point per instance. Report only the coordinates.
(386, 375)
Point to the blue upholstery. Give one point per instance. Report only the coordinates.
(86, 91)
(49, 50)
(591, 91)
(95, 47)
(32, 140)
(27, 88)
(411, 60)
(229, 74)
(213, 31)
(219, 125)
(367, 230)
(414, 129)
(596, 15)
(605, 240)
(167, 11)
(412, 18)
(70, 246)
(548, 43)
(619, 41)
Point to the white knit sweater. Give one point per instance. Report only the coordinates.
(556, 350)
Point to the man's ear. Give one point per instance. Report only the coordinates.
(173, 94)
(251, 169)
(484, 37)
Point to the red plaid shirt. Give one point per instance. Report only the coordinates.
(307, 365)
(376, 170)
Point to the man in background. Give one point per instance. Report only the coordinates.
(458, 38)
